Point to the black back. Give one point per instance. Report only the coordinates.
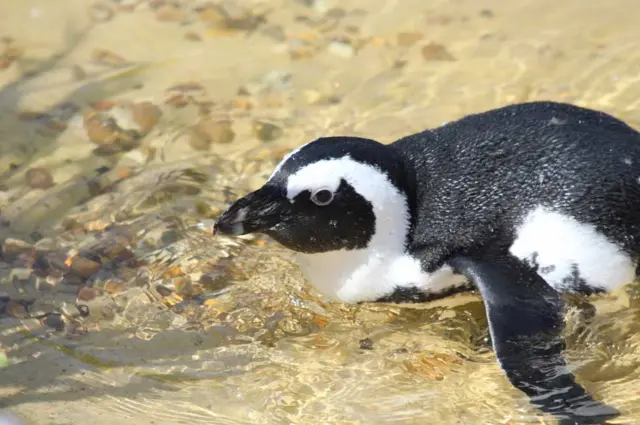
(479, 175)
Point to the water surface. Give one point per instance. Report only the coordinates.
(186, 329)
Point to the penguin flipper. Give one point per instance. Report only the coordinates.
(526, 319)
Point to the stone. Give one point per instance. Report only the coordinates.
(39, 178)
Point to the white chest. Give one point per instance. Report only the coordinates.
(368, 275)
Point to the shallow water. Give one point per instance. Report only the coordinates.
(184, 328)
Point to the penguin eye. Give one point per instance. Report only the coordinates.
(322, 197)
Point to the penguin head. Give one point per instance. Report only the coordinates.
(332, 194)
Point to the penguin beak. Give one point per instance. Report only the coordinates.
(258, 211)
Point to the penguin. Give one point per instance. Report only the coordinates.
(525, 203)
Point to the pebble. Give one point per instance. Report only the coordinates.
(487, 13)
(342, 49)
(155, 4)
(87, 293)
(177, 101)
(107, 58)
(15, 246)
(21, 274)
(69, 285)
(366, 344)
(128, 5)
(193, 36)
(46, 284)
(105, 132)
(100, 12)
(170, 13)
(146, 115)
(78, 73)
(16, 309)
(301, 49)
(103, 105)
(39, 178)
(214, 281)
(114, 287)
(122, 115)
(183, 286)
(163, 291)
(266, 131)
(275, 32)
(242, 103)
(211, 14)
(208, 131)
(117, 248)
(229, 15)
(436, 52)
(81, 266)
(408, 38)
(96, 225)
(240, 17)
(31, 115)
(54, 321)
(123, 173)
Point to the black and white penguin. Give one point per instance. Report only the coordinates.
(524, 202)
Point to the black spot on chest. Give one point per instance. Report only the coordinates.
(576, 283)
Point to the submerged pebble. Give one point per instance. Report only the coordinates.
(192, 36)
(178, 100)
(436, 52)
(82, 267)
(78, 73)
(54, 321)
(16, 309)
(266, 131)
(117, 127)
(366, 344)
(170, 13)
(342, 48)
(15, 246)
(408, 38)
(114, 286)
(100, 12)
(107, 58)
(128, 5)
(105, 132)
(39, 178)
(301, 49)
(146, 115)
(87, 293)
(209, 131)
(230, 14)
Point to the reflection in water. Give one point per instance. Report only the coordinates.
(152, 117)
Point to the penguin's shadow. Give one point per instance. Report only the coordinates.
(54, 362)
